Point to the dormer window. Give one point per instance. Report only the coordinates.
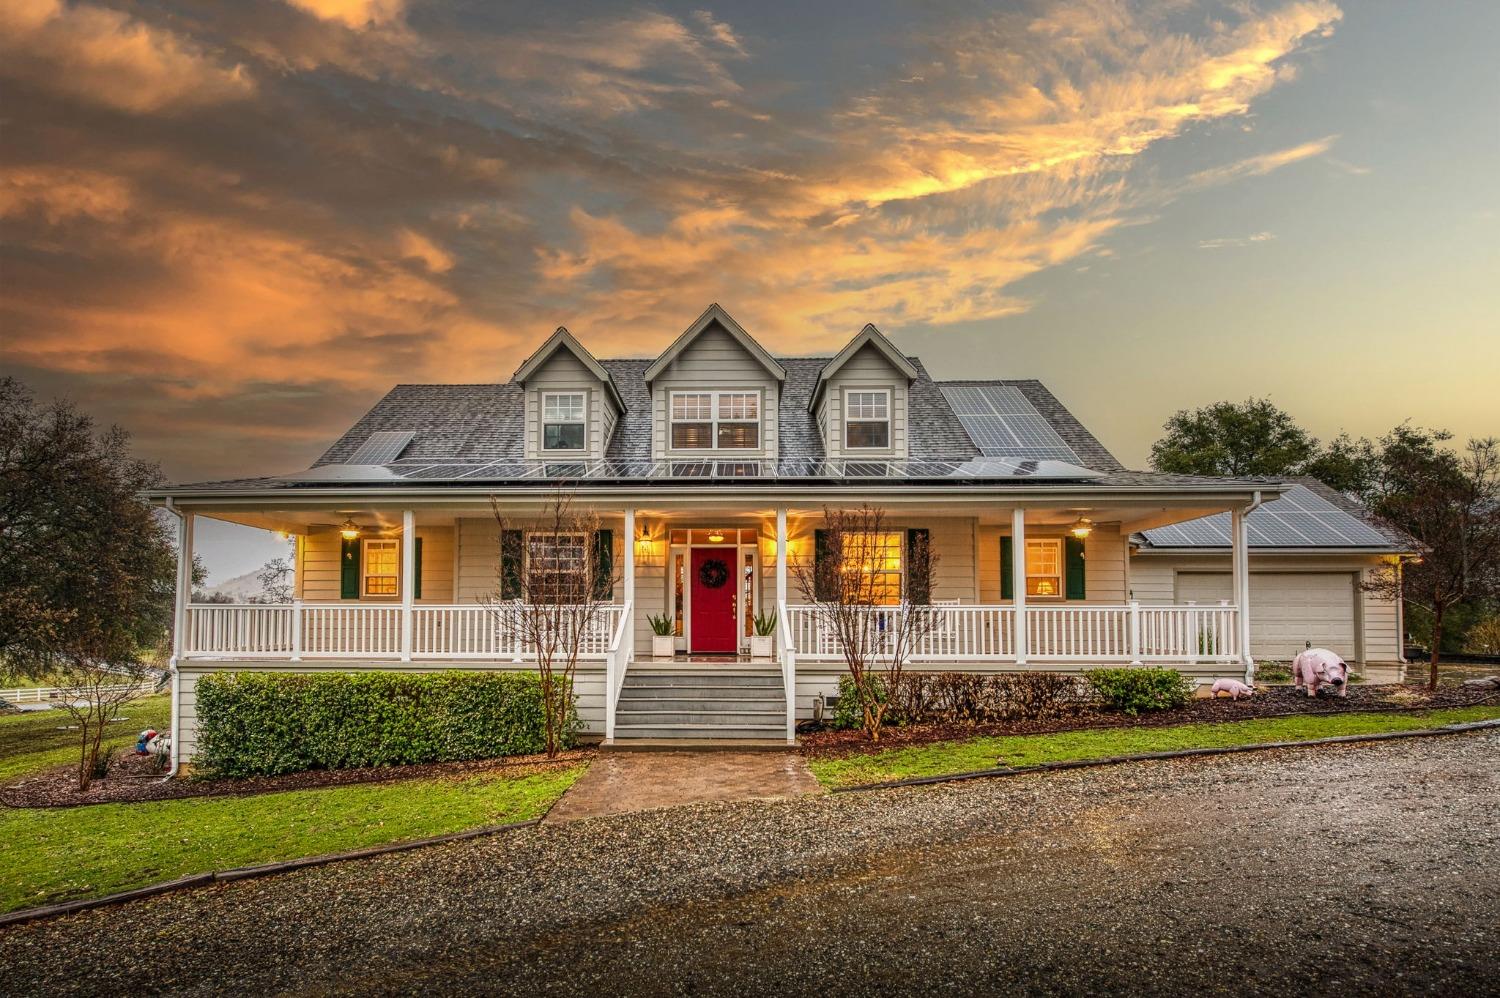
(715, 421)
(563, 424)
(867, 419)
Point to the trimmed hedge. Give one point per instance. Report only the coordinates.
(1135, 690)
(271, 723)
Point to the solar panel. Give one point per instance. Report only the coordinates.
(381, 447)
(1299, 518)
(1002, 422)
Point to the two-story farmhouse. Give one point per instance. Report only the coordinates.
(711, 467)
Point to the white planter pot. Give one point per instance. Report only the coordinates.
(760, 645)
(663, 646)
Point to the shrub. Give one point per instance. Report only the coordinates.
(963, 697)
(1273, 672)
(270, 723)
(1135, 690)
(846, 710)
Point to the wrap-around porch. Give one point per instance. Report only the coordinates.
(1013, 590)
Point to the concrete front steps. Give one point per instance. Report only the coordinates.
(706, 704)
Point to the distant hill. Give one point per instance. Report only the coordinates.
(239, 588)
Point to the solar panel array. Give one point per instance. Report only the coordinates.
(1300, 518)
(1002, 422)
(698, 470)
(381, 447)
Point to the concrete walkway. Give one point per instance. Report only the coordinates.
(618, 782)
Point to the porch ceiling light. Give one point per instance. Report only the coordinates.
(1082, 528)
(349, 530)
(716, 537)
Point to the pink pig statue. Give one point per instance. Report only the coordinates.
(1317, 666)
(1233, 687)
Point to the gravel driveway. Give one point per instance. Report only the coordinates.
(1351, 869)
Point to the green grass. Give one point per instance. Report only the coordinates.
(972, 754)
(31, 741)
(62, 854)
(51, 855)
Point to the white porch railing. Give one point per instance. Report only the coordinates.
(787, 651)
(621, 647)
(295, 631)
(1168, 635)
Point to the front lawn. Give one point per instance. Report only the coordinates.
(973, 754)
(60, 854)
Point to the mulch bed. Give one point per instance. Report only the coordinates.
(131, 780)
(1269, 701)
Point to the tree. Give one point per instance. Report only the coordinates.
(87, 568)
(554, 588)
(1348, 465)
(276, 579)
(861, 604)
(1450, 504)
(1250, 438)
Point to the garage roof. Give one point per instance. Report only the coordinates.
(1308, 515)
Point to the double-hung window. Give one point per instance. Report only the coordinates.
(564, 427)
(380, 561)
(1044, 567)
(867, 419)
(715, 421)
(876, 557)
(556, 568)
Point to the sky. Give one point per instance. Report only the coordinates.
(231, 226)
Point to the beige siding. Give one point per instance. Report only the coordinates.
(564, 372)
(868, 368)
(1103, 560)
(478, 556)
(1153, 579)
(319, 572)
(714, 361)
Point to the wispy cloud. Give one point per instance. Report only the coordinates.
(1250, 240)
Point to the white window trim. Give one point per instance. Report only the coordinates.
(713, 434)
(542, 421)
(890, 424)
(1062, 568)
(364, 568)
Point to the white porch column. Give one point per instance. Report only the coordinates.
(1239, 539)
(1018, 579)
(408, 577)
(184, 585)
(780, 556)
(628, 576)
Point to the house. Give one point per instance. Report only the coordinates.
(710, 467)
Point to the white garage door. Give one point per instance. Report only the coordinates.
(1287, 609)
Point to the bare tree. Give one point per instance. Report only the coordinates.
(555, 586)
(93, 690)
(1450, 503)
(869, 588)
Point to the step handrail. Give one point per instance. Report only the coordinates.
(788, 671)
(616, 662)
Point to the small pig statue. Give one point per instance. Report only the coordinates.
(1233, 687)
(1318, 666)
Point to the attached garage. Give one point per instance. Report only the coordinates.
(1288, 609)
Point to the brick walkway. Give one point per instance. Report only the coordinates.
(617, 782)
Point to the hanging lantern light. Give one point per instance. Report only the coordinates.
(349, 530)
(716, 537)
(1082, 528)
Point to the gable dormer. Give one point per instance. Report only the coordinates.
(715, 394)
(572, 404)
(861, 397)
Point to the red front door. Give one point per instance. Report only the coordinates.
(713, 600)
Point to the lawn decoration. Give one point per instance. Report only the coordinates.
(1318, 666)
(1232, 688)
(143, 741)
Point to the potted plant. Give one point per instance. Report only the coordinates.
(663, 643)
(760, 641)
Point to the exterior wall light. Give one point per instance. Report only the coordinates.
(1082, 528)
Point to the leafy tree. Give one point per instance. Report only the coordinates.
(86, 566)
(276, 580)
(1450, 503)
(1227, 438)
(1348, 465)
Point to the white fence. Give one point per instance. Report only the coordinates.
(44, 694)
(296, 631)
(1171, 635)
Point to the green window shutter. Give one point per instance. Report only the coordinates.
(349, 568)
(604, 564)
(1073, 568)
(416, 569)
(820, 556)
(1007, 568)
(512, 551)
(918, 591)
